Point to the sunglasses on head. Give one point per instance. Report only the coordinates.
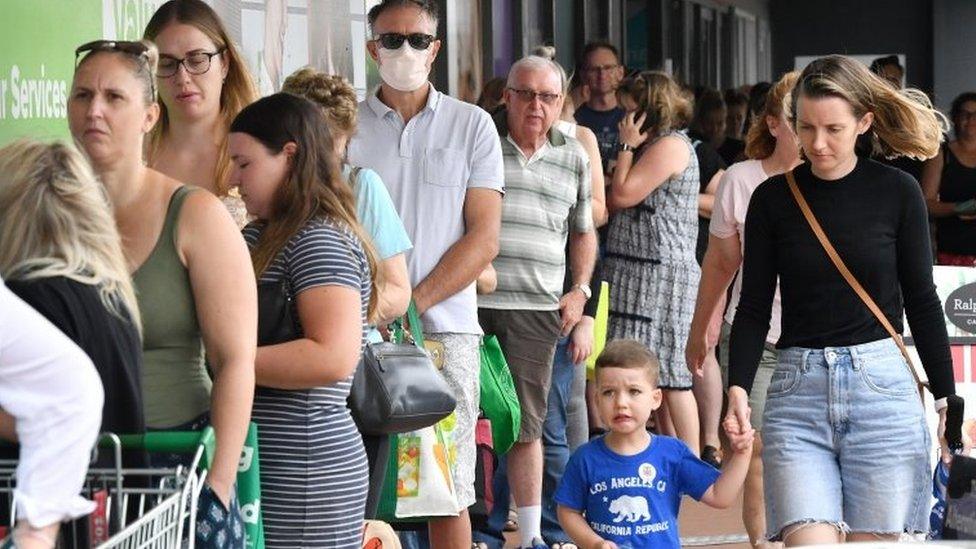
(393, 40)
(134, 49)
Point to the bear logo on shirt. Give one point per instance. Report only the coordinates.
(630, 509)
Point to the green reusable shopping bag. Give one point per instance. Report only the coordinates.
(418, 483)
(249, 490)
(499, 402)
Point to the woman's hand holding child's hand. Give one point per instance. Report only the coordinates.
(737, 426)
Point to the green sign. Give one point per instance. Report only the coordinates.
(37, 40)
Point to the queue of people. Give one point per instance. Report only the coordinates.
(237, 254)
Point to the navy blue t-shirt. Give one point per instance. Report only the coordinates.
(604, 125)
(633, 501)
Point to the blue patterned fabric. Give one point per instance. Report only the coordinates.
(218, 527)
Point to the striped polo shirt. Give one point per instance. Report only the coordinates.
(546, 197)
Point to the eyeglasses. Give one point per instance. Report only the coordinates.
(134, 49)
(530, 95)
(601, 68)
(393, 40)
(197, 62)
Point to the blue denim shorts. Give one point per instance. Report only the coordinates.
(845, 441)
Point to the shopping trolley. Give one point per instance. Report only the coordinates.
(136, 508)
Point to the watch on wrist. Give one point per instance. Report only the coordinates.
(585, 289)
(624, 147)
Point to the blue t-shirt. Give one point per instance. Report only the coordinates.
(605, 126)
(633, 501)
(376, 213)
(379, 219)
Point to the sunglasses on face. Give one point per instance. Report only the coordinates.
(197, 62)
(393, 40)
(134, 49)
(529, 95)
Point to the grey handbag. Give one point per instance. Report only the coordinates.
(397, 388)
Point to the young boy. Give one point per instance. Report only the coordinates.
(623, 490)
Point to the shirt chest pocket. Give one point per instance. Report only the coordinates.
(445, 168)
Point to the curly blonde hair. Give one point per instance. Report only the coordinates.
(661, 98)
(759, 142)
(331, 92)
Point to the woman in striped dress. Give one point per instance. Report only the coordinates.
(649, 258)
(307, 241)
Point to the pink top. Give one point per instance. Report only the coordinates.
(729, 219)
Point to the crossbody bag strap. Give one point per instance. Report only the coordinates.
(846, 273)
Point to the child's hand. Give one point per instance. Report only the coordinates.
(740, 436)
(604, 544)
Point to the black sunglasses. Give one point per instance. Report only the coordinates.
(393, 40)
(135, 49)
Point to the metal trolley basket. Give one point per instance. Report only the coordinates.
(140, 507)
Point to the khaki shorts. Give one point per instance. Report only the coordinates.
(528, 340)
(767, 364)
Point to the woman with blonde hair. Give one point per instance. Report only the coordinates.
(306, 244)
(374, 207)
(772, 148)
(842, 407)
(60, 252)
(189, 265)
(203, 83)
(649, 254)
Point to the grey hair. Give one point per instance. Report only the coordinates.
(548, 52)
(428, 7)
(535, 63)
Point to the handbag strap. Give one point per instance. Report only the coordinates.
(416, 327)
(846, 273)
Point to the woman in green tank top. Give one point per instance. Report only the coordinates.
(191, 269)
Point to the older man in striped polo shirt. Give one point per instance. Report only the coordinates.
(547, 180)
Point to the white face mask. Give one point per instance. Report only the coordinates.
(404, 69)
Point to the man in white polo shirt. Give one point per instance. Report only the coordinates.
(442, 163)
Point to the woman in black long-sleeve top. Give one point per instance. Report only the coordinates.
(846, 442)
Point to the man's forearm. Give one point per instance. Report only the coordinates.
(8, 426)
(457, 269)
(582, 256)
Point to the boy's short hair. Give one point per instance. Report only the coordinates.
(630, 354)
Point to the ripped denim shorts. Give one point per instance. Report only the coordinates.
(845, 441)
